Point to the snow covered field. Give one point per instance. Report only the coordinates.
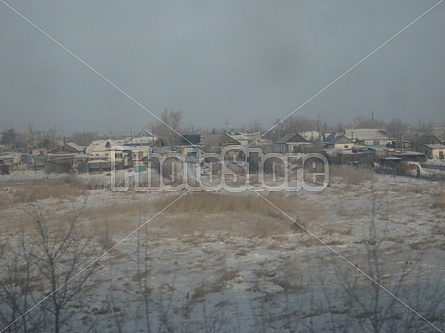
(366, 257)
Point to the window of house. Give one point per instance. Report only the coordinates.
(346, 147)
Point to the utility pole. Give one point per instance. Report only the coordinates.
(227, 125)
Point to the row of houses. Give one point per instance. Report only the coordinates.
(365, 146)
(357, 146)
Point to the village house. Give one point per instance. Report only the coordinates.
(102, 148)
(189, 145)
(292, 143)
(143, 138)
(69, 147)
(214, 143)
(67, 162)
(401, 145)
(247, 139)
(107, 155)
(14, 161)
(427, 139)
(368, 136)
(124, 157)
(66, 158)
(435, 151)
(338, 142)
(101, 154)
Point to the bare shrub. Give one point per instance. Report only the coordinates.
(44, 273)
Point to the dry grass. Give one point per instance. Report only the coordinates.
(236, 214)
(439, 202)
(338, 229)
(347, 212)
(197, 228)
(31, 192)
(351, 174)
(214, 203)
(216, 284)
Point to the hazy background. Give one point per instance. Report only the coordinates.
(244, 60)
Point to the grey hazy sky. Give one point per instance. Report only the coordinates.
(245, 60)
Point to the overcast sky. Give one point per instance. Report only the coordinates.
(244, 60)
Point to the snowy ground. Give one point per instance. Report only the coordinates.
(251, 270)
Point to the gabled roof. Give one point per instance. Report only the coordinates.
(436, 146)
(189, 139)
(75, 146)
(367, 134)
(218, 140)
(69, 147)
(330, 137)
(101, 145)
(427, 139)
(234, 132)
(291, 137)
(341, 139)
(144, 134)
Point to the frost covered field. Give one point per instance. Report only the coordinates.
(367, 256)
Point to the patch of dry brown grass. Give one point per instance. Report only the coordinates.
(213, 203)
(237, 214)
(196, 228)
(351, 174)
(63, 188)
(339, 229)
(439, 202)
(345, 212)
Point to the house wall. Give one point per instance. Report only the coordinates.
(282, 148)
(377, 142)
(341, 146)
(436, 153)
(190, 151)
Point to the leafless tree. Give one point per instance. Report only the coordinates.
(18, 281)
(42, 274)
(9, 138)
(60, 254)
(168, 128)
(396, 128)
(375, 299)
